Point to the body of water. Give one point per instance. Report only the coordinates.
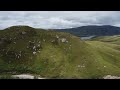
(86, 38)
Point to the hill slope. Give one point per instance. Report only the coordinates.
(115, 39)
(54, 54)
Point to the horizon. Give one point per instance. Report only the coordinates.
(58, 19)
(58, 28)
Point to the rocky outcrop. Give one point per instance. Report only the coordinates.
(111, 77)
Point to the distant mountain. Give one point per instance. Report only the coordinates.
(105, 30)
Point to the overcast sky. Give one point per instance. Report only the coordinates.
(58, 19)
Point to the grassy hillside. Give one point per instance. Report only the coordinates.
(109, 39)
(54, 54)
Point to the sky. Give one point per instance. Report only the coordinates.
(58, 19)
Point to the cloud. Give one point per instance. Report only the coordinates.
(58, 19)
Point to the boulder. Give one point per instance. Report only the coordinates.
(23, 32)
(34, 47)
(57, 36)
(64, 40)
(34, 53)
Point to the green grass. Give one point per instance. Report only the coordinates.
(109, 39)
(74, 59)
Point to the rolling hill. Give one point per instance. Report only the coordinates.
(53, 54)
(115, 39)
